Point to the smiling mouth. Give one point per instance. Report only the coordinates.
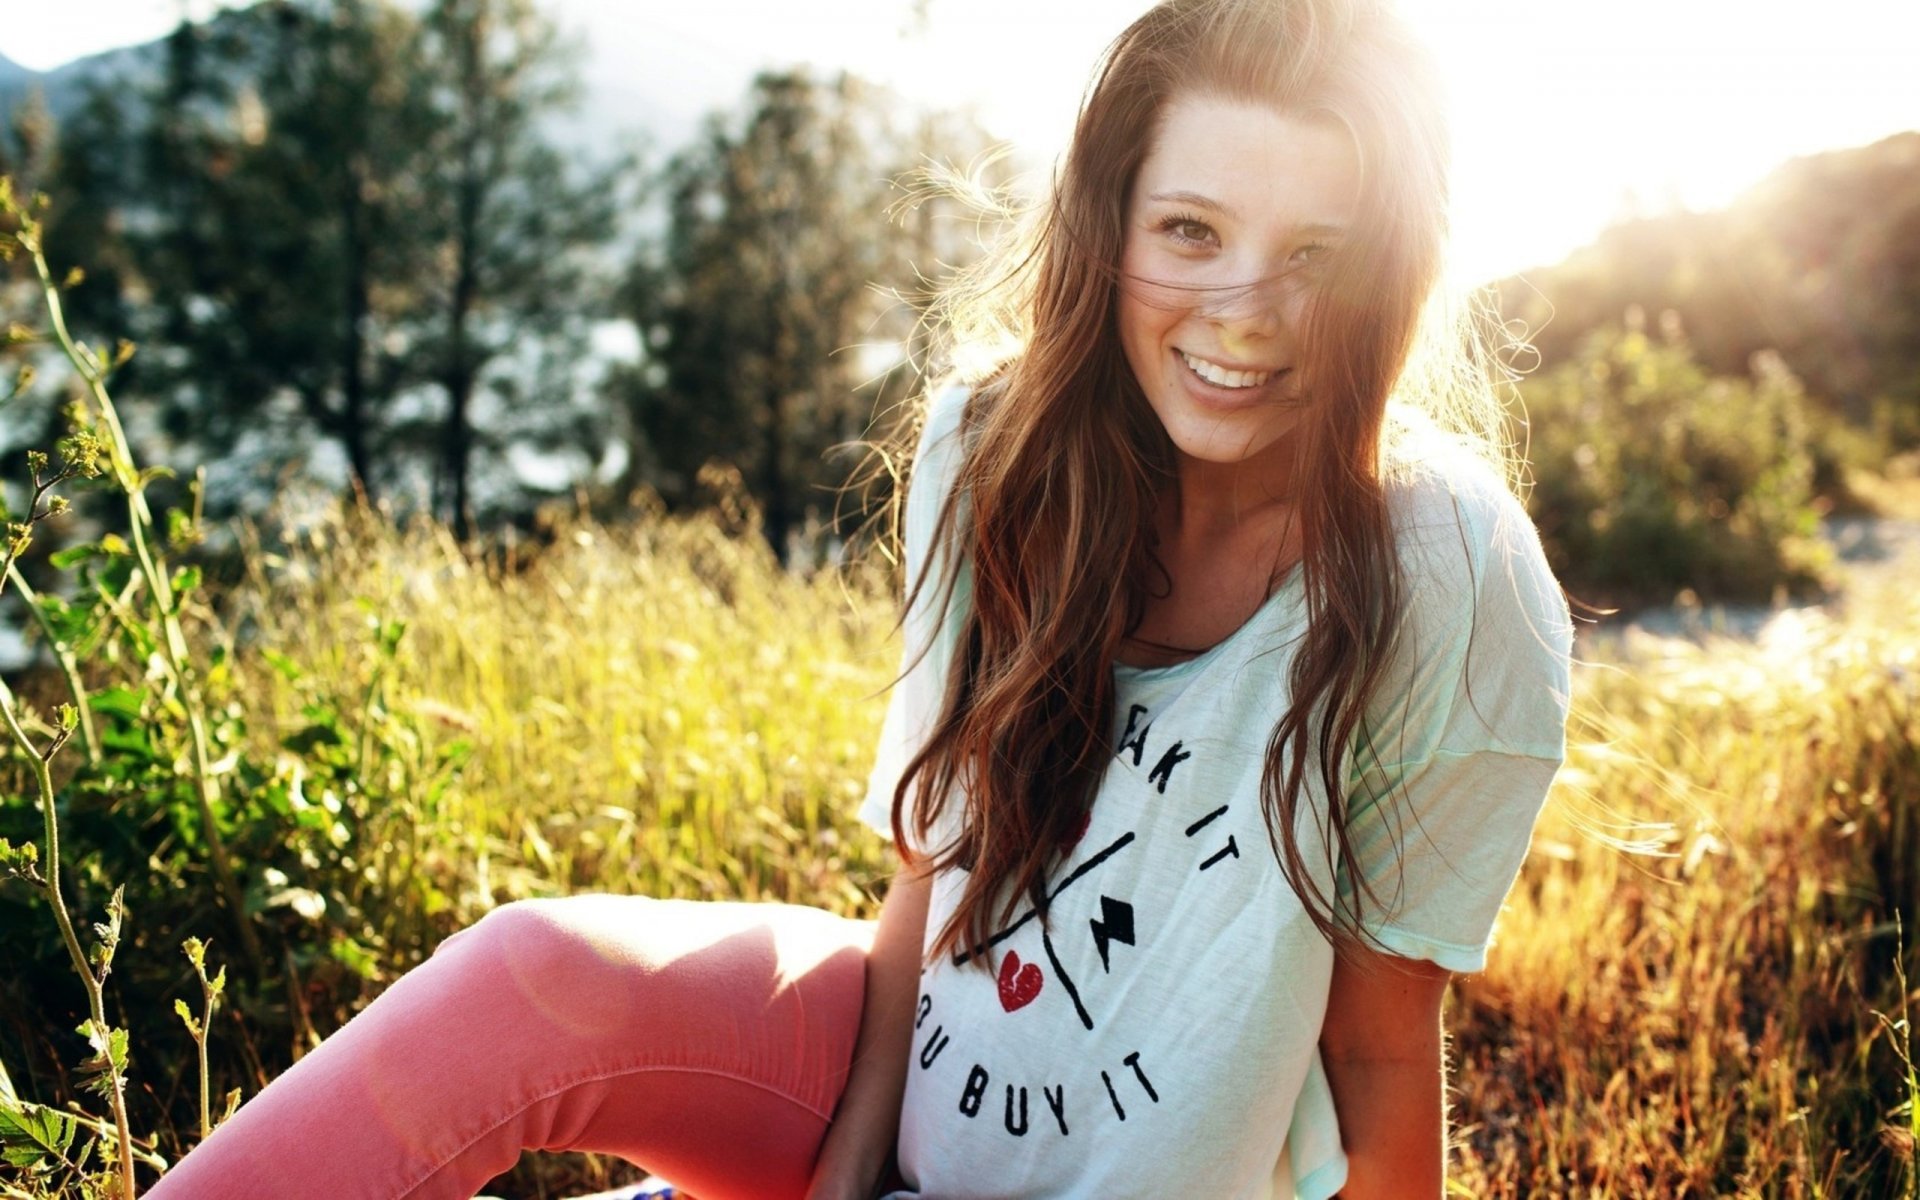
(1220, 377)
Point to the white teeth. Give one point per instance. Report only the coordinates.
(1222, 377)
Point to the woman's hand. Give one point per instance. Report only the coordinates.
(860, 1141)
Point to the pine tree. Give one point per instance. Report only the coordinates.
(779, 267)
(337, 215)
(517, 236)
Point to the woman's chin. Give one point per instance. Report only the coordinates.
(1227, 443)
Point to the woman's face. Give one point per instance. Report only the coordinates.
(1246, 205)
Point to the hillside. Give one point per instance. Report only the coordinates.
(12, 75)
(1819, 261)
(65, 87)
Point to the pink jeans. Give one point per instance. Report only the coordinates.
(706, 1042)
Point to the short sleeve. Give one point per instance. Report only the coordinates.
(1468, 728)
(932, 623)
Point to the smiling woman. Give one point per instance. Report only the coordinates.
(1194, 576)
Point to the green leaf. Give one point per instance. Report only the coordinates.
(125, 703)
(116, 915)
(186, 1016)
(391, 633)
(283, 666)
(131, 742)
(18, 860)
(180, 532)
(354, 957)
(108, 1059)
(29, 1133)
(115, 573)
(69, 622)
(73, 556)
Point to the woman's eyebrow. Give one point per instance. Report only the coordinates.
(1197, 200)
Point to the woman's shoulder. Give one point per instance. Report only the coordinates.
(935, 466)
(946, 408)
(1480, 605)
(1443, 490)
(952, 411)
(1467, 547)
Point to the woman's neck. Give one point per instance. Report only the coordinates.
(1211, 502)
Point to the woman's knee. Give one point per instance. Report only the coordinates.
(530, 931)
(596, 963)
(580, 940)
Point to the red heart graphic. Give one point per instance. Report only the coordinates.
(1018, 984)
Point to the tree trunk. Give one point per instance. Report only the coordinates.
(457, 439)
(353, 416)
(777, 515)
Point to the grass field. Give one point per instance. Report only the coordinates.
(1695, 990)
(1688, 990)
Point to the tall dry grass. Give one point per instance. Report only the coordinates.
(657, 708)
(1702, 1022)
(660, 709)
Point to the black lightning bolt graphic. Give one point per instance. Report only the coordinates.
(1114, 924)
(1120, 843)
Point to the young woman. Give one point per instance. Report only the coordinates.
(1233, 689)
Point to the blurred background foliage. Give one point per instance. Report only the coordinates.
(1819, 263)
(356, 258)
(1652, 476)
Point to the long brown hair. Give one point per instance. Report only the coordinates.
(1065, 461)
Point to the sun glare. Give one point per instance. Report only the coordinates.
(1569, 116)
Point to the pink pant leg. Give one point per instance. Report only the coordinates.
(706, 1042)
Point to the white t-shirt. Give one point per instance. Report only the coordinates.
(1160, 1035)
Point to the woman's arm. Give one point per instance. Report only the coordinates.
(865, 1124)
(1381, 1047)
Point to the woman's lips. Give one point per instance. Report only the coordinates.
(1227, 396)
(1243, 376)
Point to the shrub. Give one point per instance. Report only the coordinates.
(1651, 477)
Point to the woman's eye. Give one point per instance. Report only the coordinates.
(1312, 253)
(1188, 231)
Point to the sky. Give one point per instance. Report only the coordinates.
(1567, 114)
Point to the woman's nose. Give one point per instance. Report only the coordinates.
(1252, 314)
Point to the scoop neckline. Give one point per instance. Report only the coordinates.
(1288, 583)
